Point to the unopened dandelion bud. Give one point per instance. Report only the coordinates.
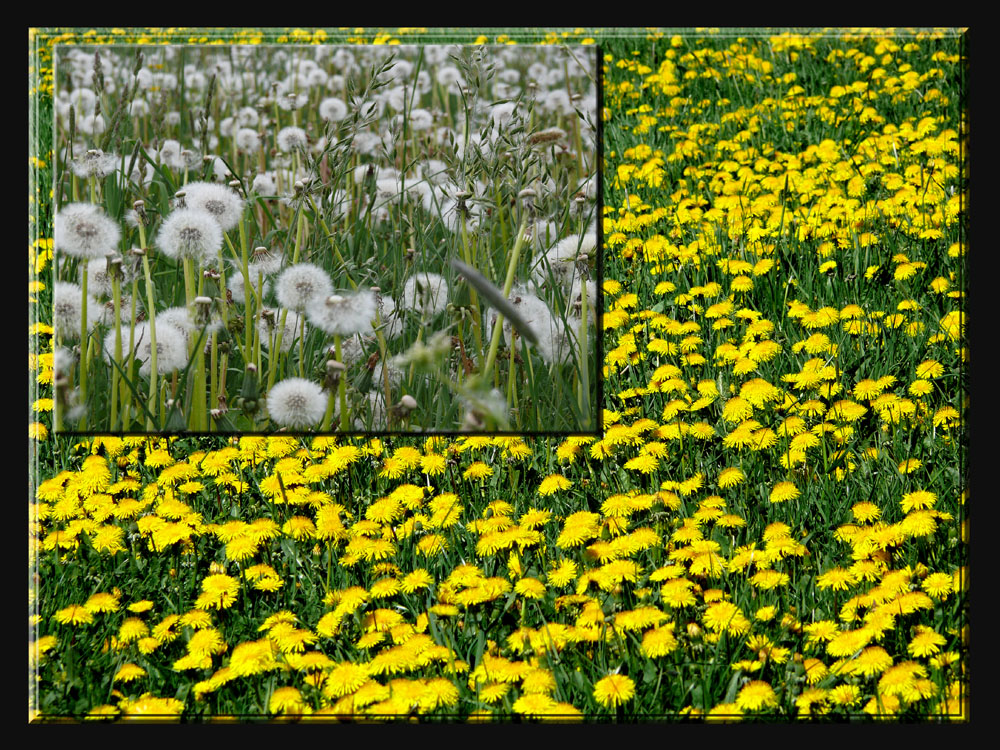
(249, 399)
(694, 630)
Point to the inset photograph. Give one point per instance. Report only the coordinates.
(326, 239)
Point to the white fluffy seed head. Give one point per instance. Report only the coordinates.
(238, 289)
(171, 348)
(299, 284)
(94, 163)
(296, 403)
(182, 320)
(99, 279)
(268, 323)
(559, 262)
(219, 201)
(247, 140)
(292, 138)
(390, 317)
(68, 309)
(548, 328)
(346, 315)
(332, 109)
(427, 293)
(85, 231)
(190, 233)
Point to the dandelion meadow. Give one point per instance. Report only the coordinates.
(770, 525)
(315, 237)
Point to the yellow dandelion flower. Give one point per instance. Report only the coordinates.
(659, 641)
(477, 470)
(103, 602)
(553, 483)
(74, 614)
(132, 630)
(783, 491)
(926, 642)
(218, 591)
(614, 690)
(756, 695)
(730, 477)
(530, 588)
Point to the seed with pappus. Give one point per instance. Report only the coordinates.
(247, 140)
(190, 233)
(85, 231)
(238, 289)
(391, 322)
(68, 309)
(299, 284)
(344, 315)
(427, 293)
(268, 323)
(292, 138)
(221, 202)
(560, 260)
(171, 348)
(182, 320)
(94, 163)
(297, 403)
(99, 280)
(332, 109)
(263, 262)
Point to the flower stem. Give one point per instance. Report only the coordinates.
(508, 283)
(151, 313)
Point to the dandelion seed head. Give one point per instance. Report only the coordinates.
(68, 310)
(332, 109)
(190, 233)
(93, 163)
(299, 284)
(268, 323)
(85, 231)
(345, 315)
(220, 201)
(171, 348)
(296, 403)
(426, 293)
(237, 287)
(291, 138)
